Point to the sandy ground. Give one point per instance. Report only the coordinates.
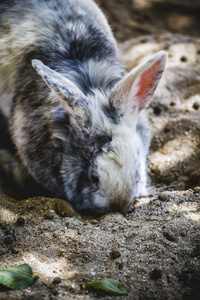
(155, 250)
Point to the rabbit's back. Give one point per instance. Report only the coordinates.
(67, 35)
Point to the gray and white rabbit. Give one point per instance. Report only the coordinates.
(75, 117)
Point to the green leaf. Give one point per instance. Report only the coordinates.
(109, 285)
(17, 278)
(160, 220)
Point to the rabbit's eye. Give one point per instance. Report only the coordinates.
(94, 177)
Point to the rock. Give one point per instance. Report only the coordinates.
(56, 280)
(2, 251)
(196, 189)
(14, 251)
(115, 254)
(49, 216)
(163, 197)
(169, 236)
(65, 209)
(20, 221)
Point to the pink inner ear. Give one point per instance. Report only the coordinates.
(147, 84)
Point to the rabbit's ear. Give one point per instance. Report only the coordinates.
(134, 92)
(70, 96)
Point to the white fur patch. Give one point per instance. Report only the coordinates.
(100, 201)
(18, 133)
(119, 165)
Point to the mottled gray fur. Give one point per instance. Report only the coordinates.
(76, 123)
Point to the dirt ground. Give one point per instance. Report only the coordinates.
(154, 251)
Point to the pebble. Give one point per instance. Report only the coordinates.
(69, 256)
(115, 254)
(55, 292)
(196, 189)
(49, 216)
(170, 237)
(65, 209)
(20, 221)
(120, 264)
(94, 222)
(163, 197)
(56, 280)
(2, 251)
(14, 251)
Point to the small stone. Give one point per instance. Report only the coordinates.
(157, 110)
(9, 240)
(69, 256)
(30, 207)
(156, 274)
(55, 292)
(196, 105)
(145, 40)
(20, 221)
(56, 280)
(55, 235)
(60, 253)
(94, 222)
(120, 264)
(163, 197)
(2, 251)
(14, 251)
(115, 254)
(169, 236)
(65, 209)
(49, 216)
(196, 189)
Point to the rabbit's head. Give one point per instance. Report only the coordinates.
(103, 152)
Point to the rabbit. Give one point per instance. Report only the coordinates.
(76, 118)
